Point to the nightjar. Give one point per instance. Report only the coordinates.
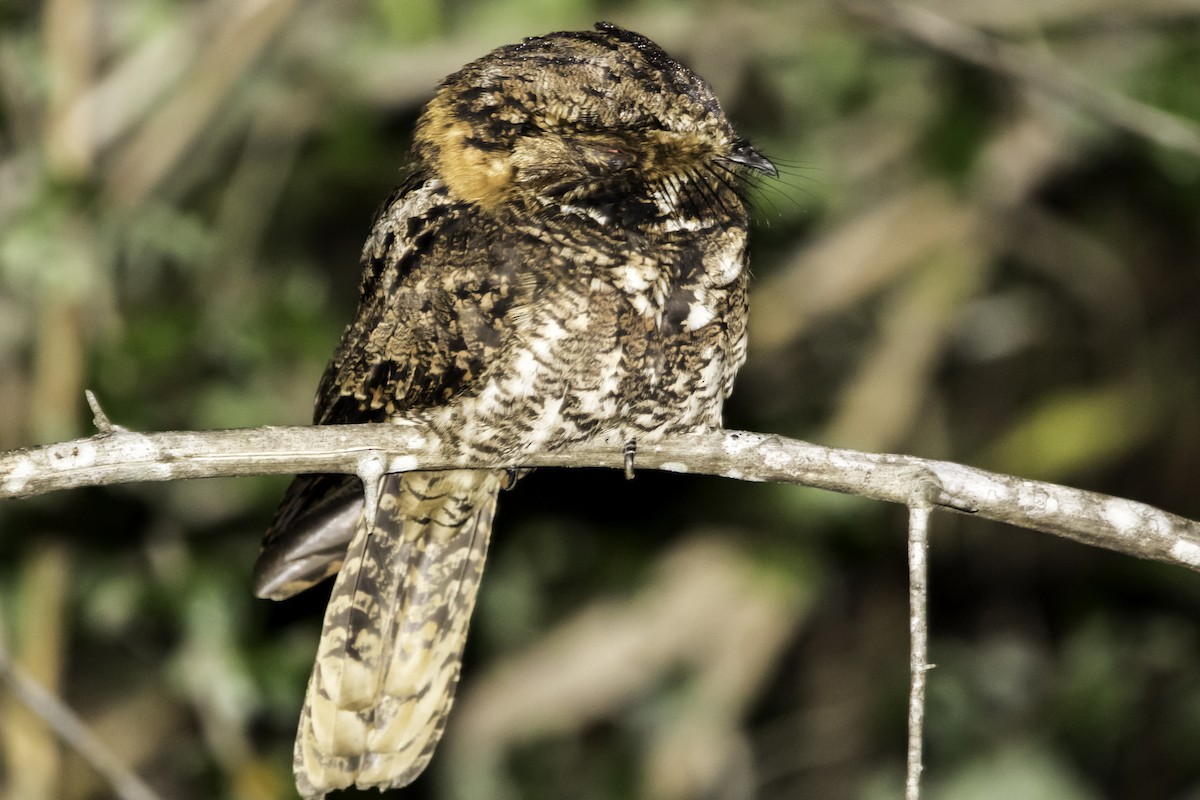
(566, 259)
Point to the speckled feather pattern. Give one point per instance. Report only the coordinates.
(394, 632)
(566, 260)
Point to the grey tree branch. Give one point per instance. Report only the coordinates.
(919, 511)
(122, 456)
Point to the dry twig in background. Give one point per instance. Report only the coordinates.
(1033, 68)
(66, 724)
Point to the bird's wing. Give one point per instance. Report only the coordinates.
(396, 355)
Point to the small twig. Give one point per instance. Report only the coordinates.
(371, 469)
(99, 418)
(67, 725)
(1033, 68)
(919, 511)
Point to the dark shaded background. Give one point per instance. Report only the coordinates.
(953, 265)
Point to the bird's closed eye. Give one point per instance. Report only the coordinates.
(604, 157)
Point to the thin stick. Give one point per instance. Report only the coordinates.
(74, 733)
(370, 472)
(99, 418)
(918, 631)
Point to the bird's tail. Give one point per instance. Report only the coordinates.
(392, 642)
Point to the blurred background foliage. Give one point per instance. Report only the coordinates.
(982, 250)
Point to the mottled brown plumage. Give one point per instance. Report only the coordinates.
(565, 260)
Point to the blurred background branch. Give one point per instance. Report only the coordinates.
(962, 262)
(1032, 67)
(47, 709)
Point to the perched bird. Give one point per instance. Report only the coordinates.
(566, 259)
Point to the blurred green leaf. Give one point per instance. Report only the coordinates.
(1073, 432)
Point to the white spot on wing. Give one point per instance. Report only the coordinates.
(724, 265)
(633, 278)
(698, 316)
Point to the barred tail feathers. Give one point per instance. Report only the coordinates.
(391, 646)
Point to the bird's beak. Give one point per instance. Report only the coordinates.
(747, 156)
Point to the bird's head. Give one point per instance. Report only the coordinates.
(598, 122)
